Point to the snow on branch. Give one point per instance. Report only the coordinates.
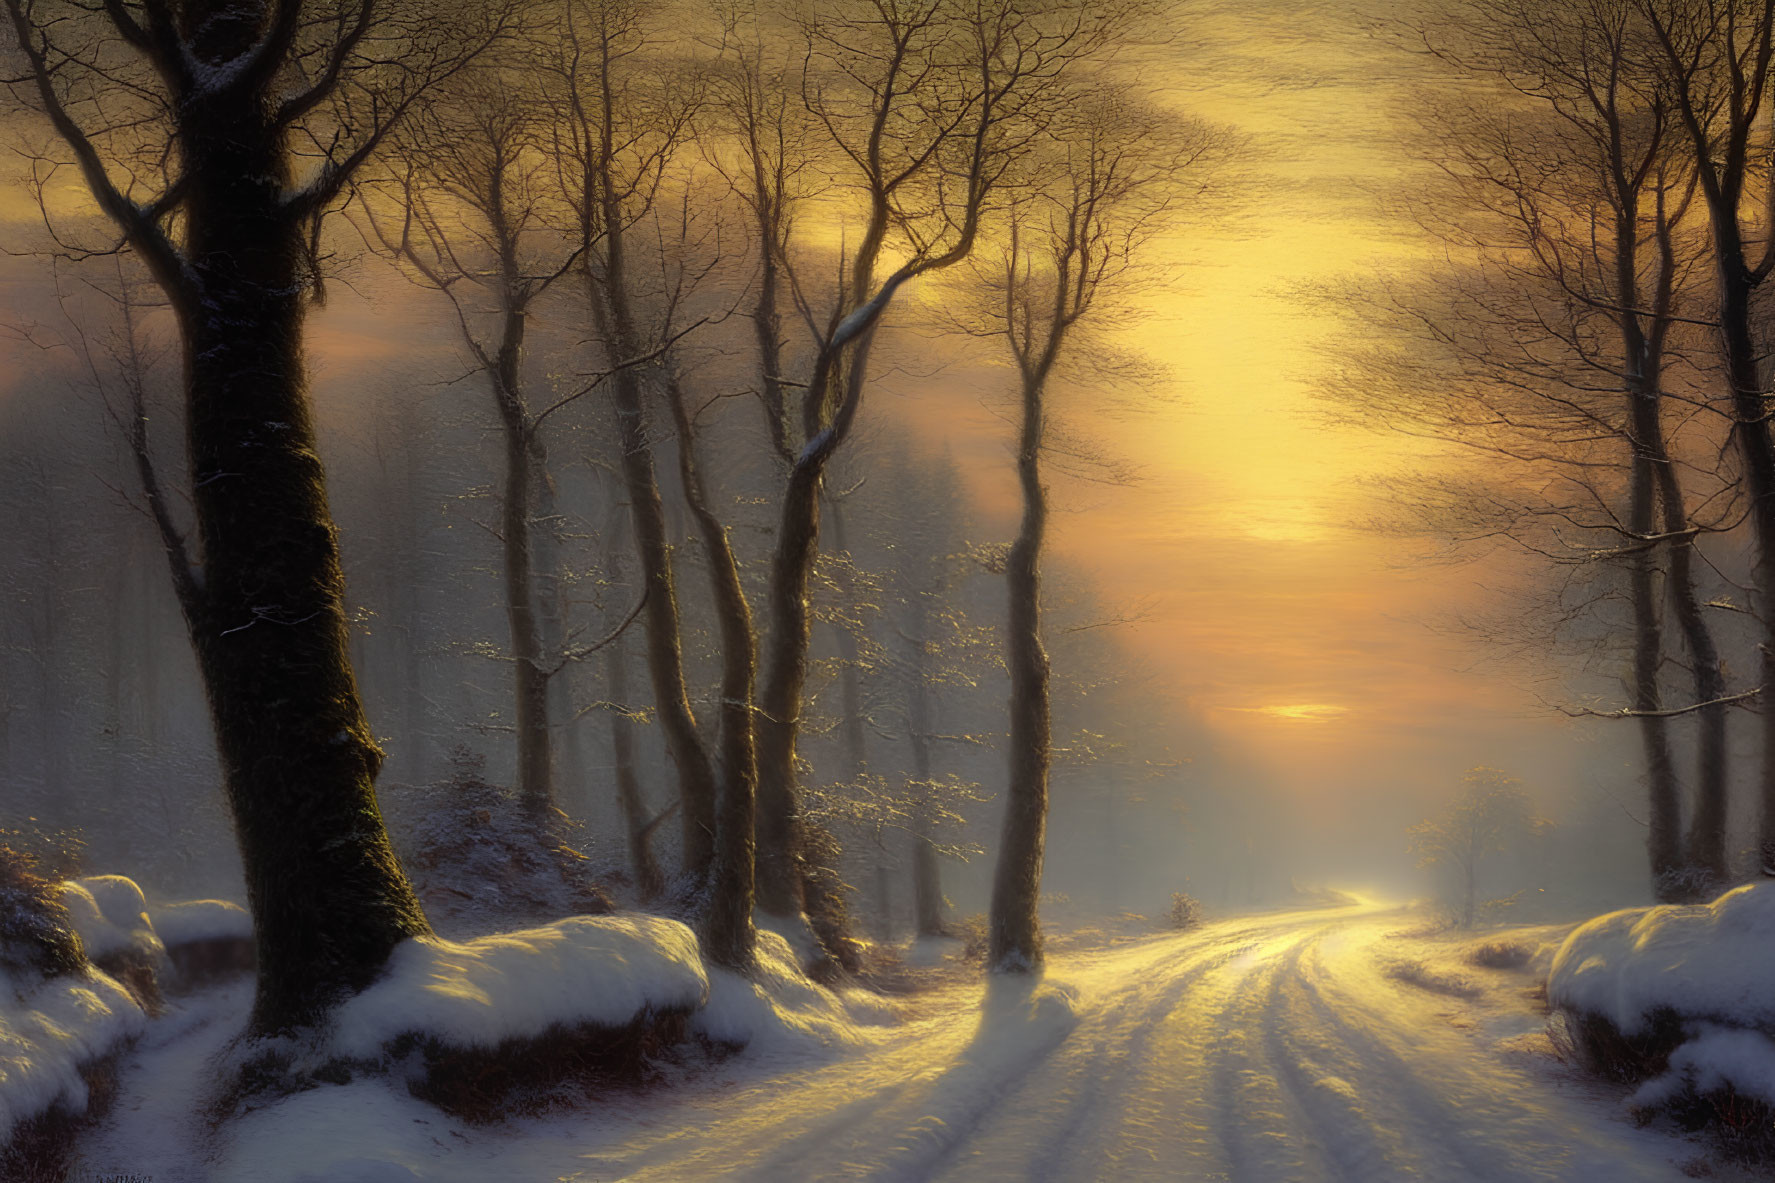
(1671, 713)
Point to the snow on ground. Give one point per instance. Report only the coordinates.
(602, 970)
(111, 916)
(1710, 964)
(932, 951)
(51, 1027)
(48, 1029)
(202, 920)
(778, 1010)
(1288, 1046)
(155, 1123)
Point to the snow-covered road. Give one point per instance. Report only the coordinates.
(1267, 1049)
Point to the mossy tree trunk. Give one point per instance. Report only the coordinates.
(260, 581)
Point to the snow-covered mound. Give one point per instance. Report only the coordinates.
(1707, 966)
(584, 970)
(1701, 961)
(48, 1029)
(777, 1008)
(111, 916)
(195, 921)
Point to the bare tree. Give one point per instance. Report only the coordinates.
(639, 824)
(755, 106)
(1111, 172)
(213, 136)
(924, 107)
(1490, 815)
(476, 212)
(623, 119)
(1716, 57)
(726, 921)
(1557, 322)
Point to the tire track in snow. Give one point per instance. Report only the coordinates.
(1216, 1055)
(1317, 1073)
(1254, 1119)
(1490, 1122)
(1434, 1119)
(1094, 1081)
(1265, 1050)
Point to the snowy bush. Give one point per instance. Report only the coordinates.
(776, 1007)
(1186, 911)
(481, 861)
(37, 936)
(1677, 996)
(51, 1029)
(1502, 954)
(601, 970)
(976, 938)
(1426, 976)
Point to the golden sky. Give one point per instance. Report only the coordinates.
(1266, 609)
(1270, 612)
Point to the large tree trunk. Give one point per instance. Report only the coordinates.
(793, 872)
(790, 879)
(1664, 829)
(266, 613)
(727, 932)
(1015, 942)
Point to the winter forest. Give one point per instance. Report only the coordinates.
(887, 590)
